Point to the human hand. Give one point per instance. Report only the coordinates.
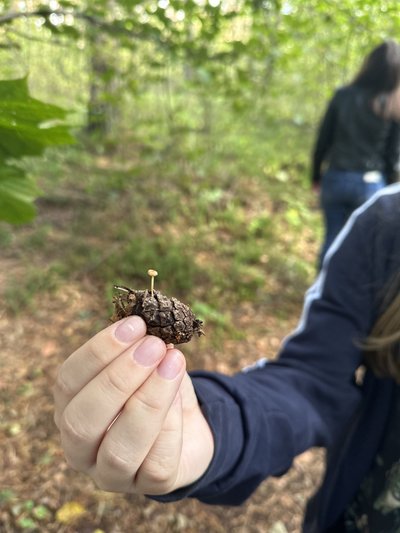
(128, 414)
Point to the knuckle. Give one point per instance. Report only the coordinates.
(166, 486)
(162, 478)
(159, 477)
(149, 405)
(116, 381)
(96, 355)
(71, 432)
(114, 462)
(61, 385)
(115, 469)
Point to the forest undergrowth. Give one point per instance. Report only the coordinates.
(240, 250)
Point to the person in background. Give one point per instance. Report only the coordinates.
(357, 148)
(135, 421)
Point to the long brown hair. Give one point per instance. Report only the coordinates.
(382, 347)
(380, 72)
(380, 77)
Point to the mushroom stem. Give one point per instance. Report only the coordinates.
(152, 273)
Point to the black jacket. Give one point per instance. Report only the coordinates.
(353, 137)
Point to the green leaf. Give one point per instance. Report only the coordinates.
(41, 512)
(17, 194)
(27, 127)
(27, 523)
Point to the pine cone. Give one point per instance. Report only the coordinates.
(167, 318)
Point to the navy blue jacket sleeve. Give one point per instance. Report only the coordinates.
(262, 418)
(392, 153)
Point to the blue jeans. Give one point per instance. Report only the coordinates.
(341, 193)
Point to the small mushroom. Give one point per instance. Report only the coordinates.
(152, 273)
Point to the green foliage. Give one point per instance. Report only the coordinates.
(17, 193)
(171, 256)
(209, 314)
(273, 63)
(29, 515)
(220, 321)
(27, 127)
(21, 294)
(6, 495)
(212, 108)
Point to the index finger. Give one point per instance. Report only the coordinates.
(98, 352)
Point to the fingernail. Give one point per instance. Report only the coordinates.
(149, 351)
(129, 329)
(171, 365)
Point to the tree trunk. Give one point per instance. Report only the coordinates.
(102, 112)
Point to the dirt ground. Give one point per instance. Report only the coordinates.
(38, 492)
(34, 475)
